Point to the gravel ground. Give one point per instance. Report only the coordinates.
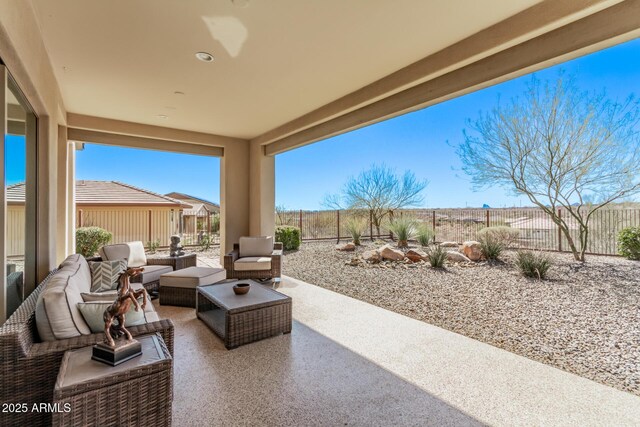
(584, 319)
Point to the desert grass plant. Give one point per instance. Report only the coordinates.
(404, 228)
(629, 243)
(533, 264)
(153, 245)
(424, 235)
(289, 236)
(491, 247)
(356, 227)
(437, 256)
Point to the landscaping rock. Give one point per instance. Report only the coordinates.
(355, 261)
(387, 252)
(416, 255)
(455, 256)
(372, 256)
(472, 250)
(346, 247)
(449, 244)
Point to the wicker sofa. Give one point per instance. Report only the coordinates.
(29, 366)
(254, 258)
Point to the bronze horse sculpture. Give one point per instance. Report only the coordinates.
(121, 305)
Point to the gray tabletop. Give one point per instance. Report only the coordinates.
(223, 295)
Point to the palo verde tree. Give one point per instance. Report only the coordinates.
(378, 190)
(560, 147)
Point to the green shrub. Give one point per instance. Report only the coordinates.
(289, 236)
(153, 246)
(424, 235)
(89, 239)
(356, 227)
(490, 247)
(506, 236)
(205, 242)
(629, 243)
(215, 223)
(533, 264)
(404, 228)
(437, 255)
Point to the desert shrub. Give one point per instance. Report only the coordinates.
(437, 255)
(205, 242)
(153, 245)
(491, 248)
(404, 228)
(215, 223)
(89, 239)
(533, 264)
(289, 236)
(506, 236)
(424, 235)
(629, 242)
(356, 227)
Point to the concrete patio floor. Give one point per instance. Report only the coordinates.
(350, 363)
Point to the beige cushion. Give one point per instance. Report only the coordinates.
(152, 273)
(252, 263)
(137, 257)
(256, 246)
(57, 314)
(111, 296)
(93, 313)
(192, 277)
(114, 252)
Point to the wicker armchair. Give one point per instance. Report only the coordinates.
(29, 367)
(272, 273)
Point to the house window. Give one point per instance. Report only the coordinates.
(19, 196)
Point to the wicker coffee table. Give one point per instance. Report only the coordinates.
(241, 319)
(137, 392)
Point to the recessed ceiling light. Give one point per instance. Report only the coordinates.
(163, 116)
(204, 56)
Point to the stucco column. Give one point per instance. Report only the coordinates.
(234, 194)
(65, 173)
(262, 190)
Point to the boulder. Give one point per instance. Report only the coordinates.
(415, 255)
(455, 256)
(387, 252)
(347, 247)
(472, 250)
(354, 262)
(449, 244)
(371, 256)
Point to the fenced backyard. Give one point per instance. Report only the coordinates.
(537, 230)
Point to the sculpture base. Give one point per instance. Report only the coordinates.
(113, 356)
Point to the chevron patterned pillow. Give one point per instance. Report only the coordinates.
(105, 274)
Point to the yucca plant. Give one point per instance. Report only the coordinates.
(437, 255)
(404, 228)
(533, 264)
(356, 227)
(424, 235)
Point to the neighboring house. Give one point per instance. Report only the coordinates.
(128, 212)
(198, 217)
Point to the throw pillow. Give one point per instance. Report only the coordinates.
(105, 274)
(93, 313)
(99, 296)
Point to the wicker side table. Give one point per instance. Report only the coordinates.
(138, 392)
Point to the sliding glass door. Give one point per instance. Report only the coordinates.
(18, 213)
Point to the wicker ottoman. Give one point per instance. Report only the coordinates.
(179, 287)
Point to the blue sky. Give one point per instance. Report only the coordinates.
(422, 142)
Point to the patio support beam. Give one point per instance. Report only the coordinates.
(262, 204)
(607, 27)
(234, 195)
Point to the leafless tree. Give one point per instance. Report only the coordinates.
(560, 147)
(378, 190)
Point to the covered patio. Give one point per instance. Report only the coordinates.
(244, 81)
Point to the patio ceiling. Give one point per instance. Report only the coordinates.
(280, 67)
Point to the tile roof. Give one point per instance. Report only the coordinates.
(196, 210)
(106, 193)
(182, 196)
